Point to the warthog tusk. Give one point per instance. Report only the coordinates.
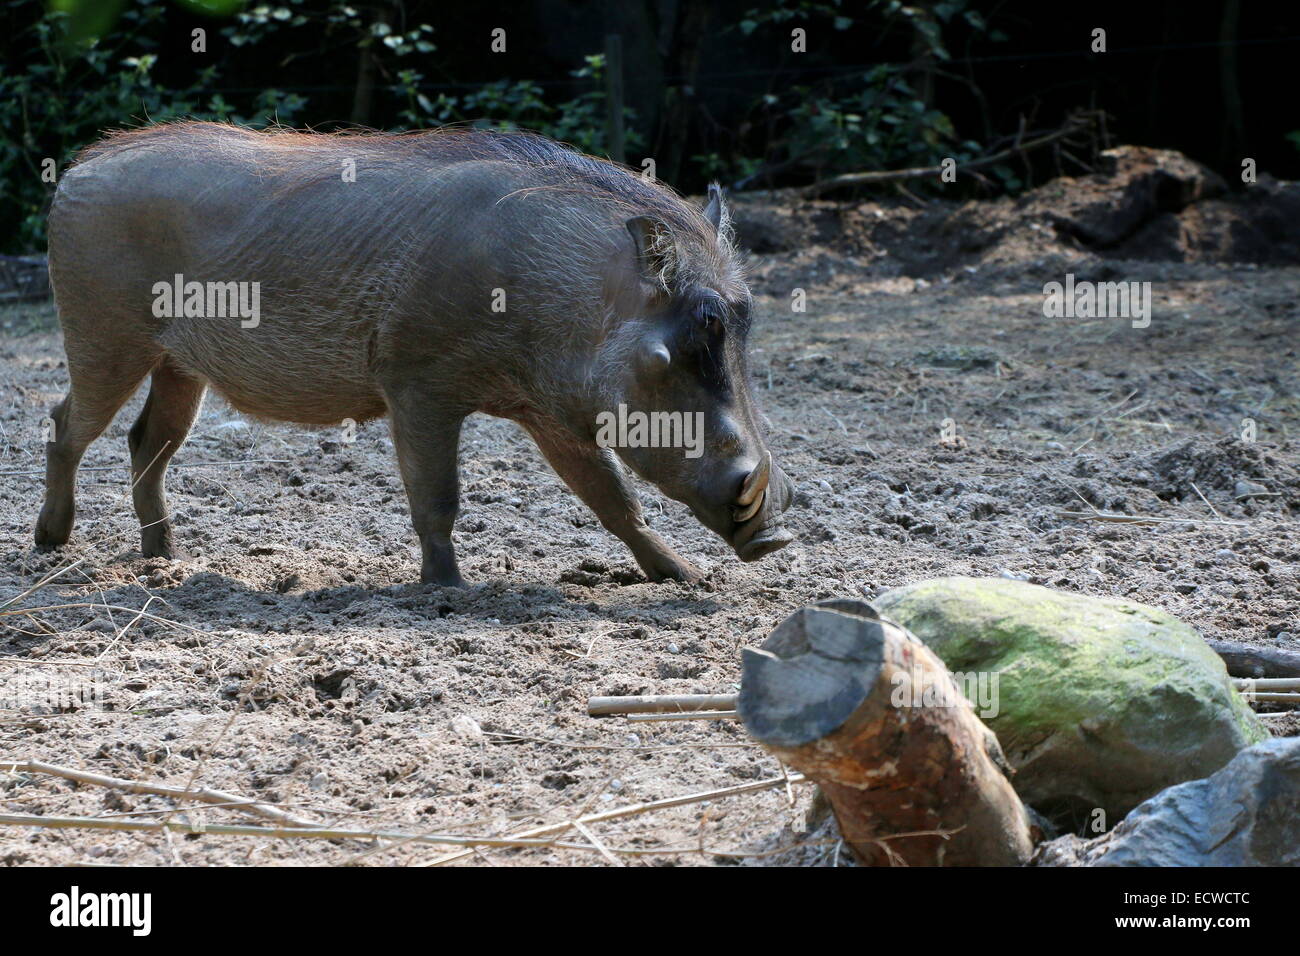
(747, 512)
(756, 483)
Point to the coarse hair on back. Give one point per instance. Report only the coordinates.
(291, 153)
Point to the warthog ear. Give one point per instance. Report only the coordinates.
(715, 210)
(656, 251)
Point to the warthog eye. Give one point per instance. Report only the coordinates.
(704, 342)
(709, 313)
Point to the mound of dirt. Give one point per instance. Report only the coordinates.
(1226, 465)
(1141, 204)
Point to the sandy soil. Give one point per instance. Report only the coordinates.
(295, 659)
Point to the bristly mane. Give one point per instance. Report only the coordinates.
(559, 164)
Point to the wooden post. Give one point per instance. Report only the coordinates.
(614, 97)
(862, 707)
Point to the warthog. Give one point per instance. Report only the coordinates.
(421, 276)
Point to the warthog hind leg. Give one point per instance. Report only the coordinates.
(101, 384)
(169, 411)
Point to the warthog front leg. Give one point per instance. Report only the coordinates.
(427, 440)
(595, 475)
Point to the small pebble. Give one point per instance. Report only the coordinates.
(467, 727)
(1248, 489)
(674, 649)
(825, 486)
(318, 782)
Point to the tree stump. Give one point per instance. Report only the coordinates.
(860, 705)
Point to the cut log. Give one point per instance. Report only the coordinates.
(862, 707)
(1252, 660)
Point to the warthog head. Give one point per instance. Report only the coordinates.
(677, 364)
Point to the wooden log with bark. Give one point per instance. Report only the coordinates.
(1253, 660)
(862, 707)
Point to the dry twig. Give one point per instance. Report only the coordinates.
(1075, 124)
(634, 810)
(204, 795)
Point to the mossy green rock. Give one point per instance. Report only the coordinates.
(1101, 703)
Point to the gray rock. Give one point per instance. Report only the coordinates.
(1247, 814)
(1249, 489)
(466, 727)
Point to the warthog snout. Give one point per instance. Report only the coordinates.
(765, 493)
(753, 491)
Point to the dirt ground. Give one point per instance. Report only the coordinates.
(295, 659)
